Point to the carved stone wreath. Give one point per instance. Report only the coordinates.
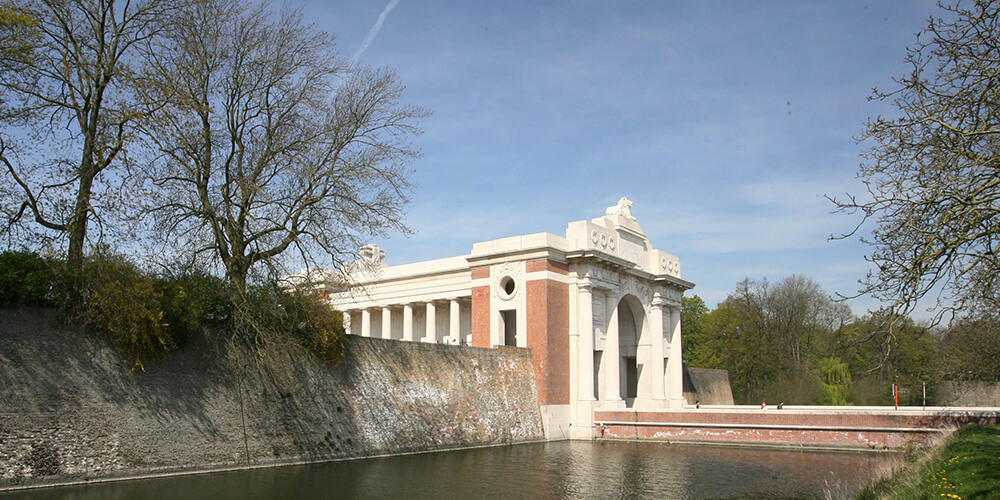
(508, 276)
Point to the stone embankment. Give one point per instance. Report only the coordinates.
(71, 409)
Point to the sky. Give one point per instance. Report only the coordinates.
(725, 123)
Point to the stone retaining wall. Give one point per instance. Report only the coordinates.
(968, 393)
(707, 386)
(70, 410)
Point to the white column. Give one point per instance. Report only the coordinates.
(455, 322)
(612, 358)
(675, 368)
(408, 322)
(347, 322)
(386, 323)
(366, 323)
(430, 331)
(585, 325)
(656, 365)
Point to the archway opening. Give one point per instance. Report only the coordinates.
(508, 323)
(629, 327)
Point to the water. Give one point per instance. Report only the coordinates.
(562, 470)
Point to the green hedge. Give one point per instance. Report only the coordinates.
(27, 279)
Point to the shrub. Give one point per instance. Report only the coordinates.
(318, 326)
(266, 314)
(26, 279)
(113, 298)
(190, 301)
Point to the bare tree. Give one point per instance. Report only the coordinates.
(67, 112)
(933, 173)
(268, 144)
(802, 314)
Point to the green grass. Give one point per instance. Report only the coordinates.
(966, 466)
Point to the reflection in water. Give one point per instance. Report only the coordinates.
(545, 470)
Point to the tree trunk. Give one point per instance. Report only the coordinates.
(78, 225)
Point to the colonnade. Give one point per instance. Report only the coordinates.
(415, 321)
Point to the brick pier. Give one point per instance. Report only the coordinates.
(794, 426)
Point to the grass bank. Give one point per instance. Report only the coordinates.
(967, 466)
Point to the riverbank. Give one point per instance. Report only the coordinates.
(71, 410)
(965, 466)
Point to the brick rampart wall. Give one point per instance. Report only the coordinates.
(875, 428)
(70, 409)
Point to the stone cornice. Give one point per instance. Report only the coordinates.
(625, 266)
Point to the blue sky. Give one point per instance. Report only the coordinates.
(724, 122)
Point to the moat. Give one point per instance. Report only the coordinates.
(567, 469)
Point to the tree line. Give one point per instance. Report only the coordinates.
(791, 341)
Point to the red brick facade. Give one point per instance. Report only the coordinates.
(481, 315)
(536, 265)
(480, 273)
(548, 336)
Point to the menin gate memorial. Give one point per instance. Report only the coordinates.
(600, 308)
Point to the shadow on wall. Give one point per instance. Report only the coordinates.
(71, 409)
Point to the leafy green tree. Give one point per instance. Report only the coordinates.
(836, 382)
(770, 337)
(119, 301)
(801, 313)
(882, 349)
(693, 311)
(192, 300)
(970, 350)
(741, 344)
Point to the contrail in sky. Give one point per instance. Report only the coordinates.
(374, 31)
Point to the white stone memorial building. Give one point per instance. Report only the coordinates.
(600, 309)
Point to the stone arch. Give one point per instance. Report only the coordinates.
(630, 315)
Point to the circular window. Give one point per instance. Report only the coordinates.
(507, 287)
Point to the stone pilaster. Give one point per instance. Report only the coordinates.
(585, 325)
(612, 359)
(675, 368)
(656, 363)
